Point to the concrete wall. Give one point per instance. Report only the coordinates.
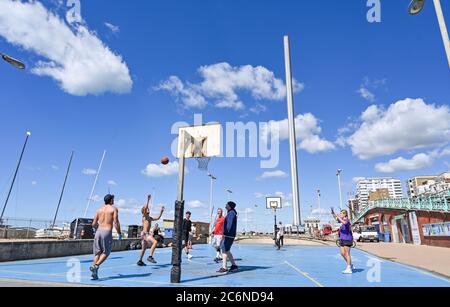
(13, 251)
(17, 233)
(40, 249)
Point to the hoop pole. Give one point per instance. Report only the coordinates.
(175, 276)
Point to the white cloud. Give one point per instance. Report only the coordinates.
(222, 83)
(189, 96)
(315, 144)
(320, 211)
(112, 182)
(89, 172)
(55, 167)
(355, 180)
(130, 206)
(171, 212)
(273, 174)
(258, 108)
(75, 57)
(443, 153)
(114, 29)
(366, 94)
(279, 194)
(159, 170)
(248, 210)
(419, 161)
(96, 199)
(34, 183)
(406, 125)
(307, 132)
(258, 195)
(365, 89)
(195, 204)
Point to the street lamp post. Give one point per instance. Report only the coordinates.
(417, 6)
(318, 198)
(229, 194)
(211, 176)
(15, 176)
(338, 174)
(12, 61)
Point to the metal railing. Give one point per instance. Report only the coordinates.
(27, 228)
(438, 202)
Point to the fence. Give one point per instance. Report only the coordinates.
(27, 228)
(439, 203)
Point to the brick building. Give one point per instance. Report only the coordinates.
(422, 220)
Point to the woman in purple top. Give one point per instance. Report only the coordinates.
(345, 238)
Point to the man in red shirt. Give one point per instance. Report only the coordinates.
(217, 234)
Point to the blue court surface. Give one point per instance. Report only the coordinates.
(260, 266)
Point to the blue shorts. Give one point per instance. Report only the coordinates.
(226, 245)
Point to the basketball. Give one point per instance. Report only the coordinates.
(165, 160)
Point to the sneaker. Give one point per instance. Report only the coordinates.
(151, 260)
(348, 271)
(189, 256)
(141, 263)
(222, 271)
(94, 270)
(233, 268)
(216, 260)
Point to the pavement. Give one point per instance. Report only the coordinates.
(431, 258)
(261, 265)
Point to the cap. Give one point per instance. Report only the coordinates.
(231, 204)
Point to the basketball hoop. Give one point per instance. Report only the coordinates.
(203, 163)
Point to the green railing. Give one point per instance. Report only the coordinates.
(438, 202)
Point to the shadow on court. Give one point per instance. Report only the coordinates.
(63, 262)
(120, 276)
(241, 269)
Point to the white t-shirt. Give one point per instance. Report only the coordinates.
(281, 230)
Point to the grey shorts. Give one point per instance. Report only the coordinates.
(103, 242)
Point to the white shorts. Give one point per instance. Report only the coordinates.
(216, 240)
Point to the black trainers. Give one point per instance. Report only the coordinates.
(94, 270)
(150, 259)
(222, 270)
(217, 260)
(141, 263)
(233, 268)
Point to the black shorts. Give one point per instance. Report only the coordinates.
(185, 238)
(345, 243)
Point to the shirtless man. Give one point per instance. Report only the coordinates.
(104, 219)
(147, 235)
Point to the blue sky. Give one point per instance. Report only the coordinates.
(378, 94)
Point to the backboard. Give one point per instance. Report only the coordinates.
(274, 203)
(200, 141)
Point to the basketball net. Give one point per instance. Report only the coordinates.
(203, 163)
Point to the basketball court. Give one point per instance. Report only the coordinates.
(260, 266)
